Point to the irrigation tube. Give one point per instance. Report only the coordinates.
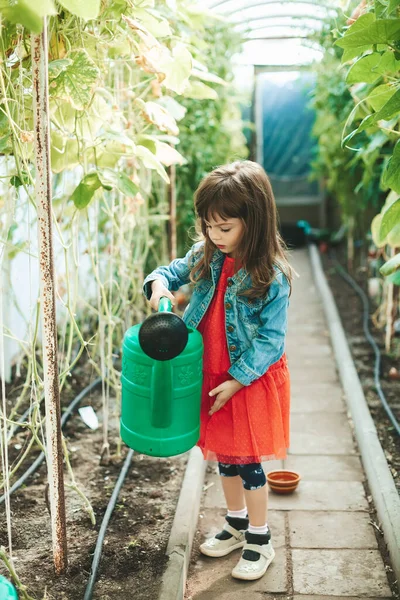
(371, 340)
(15, 427)
(35, 465)
(104, 525)
(380, 479)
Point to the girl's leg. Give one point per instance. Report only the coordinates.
(256, 501)
(232, 486)
(258, 552)
(255, 491)
(232, 535)
(233, 492)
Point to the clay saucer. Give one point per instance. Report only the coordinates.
(282, 481)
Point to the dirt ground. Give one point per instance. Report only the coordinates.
(133, 556)
(351, 313)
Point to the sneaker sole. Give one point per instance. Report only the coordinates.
(253, 576)
(218, 553)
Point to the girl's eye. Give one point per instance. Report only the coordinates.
(225, 230)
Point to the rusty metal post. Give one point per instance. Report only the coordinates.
(47, 292)
(172, 212)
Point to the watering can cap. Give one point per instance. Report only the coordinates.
(164, 335)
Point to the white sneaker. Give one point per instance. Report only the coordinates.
(249, 569)
(216, 547)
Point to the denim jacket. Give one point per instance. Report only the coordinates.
(255, 328)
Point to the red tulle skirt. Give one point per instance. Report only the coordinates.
(253, 426)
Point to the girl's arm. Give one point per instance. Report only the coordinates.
(267, 348)
(174, 275)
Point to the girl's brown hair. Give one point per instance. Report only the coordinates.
(242, 190)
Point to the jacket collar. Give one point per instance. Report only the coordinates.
(216, 265)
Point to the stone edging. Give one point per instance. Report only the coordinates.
(380, 480)
(183, 528)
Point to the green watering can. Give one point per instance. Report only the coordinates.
(161, 384)
(7, 590)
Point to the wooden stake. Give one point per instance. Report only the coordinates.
(47, 293)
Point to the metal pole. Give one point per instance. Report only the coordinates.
(47, 293)
(172, 211)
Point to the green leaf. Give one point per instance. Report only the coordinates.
(393, 4)
(167, 155)
(27, 13)
(390, 218)
(376, 231)
(206, 76)
(393, 238)
(84, 192)
(380, 9)
(391, 265)
(110, 179)
(158, 27)
(177, 69)
(57, 66)
(126, 185)
(381, 31)
(200, 91)
(148, 141)
(75, 83)
(64, 152)
(391, 108)
(362, 70)
(151, 162)
(86, 9)
(380, 95)
(394, 278)
(388, 64)
(176, 110)
(391, 175)
(361, 23)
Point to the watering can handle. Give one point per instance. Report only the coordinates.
(165, 305)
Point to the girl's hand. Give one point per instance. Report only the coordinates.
(224, 392)
(159, 291)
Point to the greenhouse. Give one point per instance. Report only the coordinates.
(199, 299)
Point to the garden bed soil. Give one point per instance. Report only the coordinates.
(351, 313)
(133, 557)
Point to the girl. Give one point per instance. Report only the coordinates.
(241, 282)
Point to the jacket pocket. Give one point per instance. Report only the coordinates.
(249, 309)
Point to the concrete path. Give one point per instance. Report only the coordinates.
(325, 544)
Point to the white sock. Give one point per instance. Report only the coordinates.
(258, 530)
(238, 514)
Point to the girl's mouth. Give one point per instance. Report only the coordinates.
(218, 246)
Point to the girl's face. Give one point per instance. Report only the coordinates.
(225, 234)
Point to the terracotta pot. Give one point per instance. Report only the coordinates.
(282, 481)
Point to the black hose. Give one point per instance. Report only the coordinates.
(15, 427)
(104, 525)
(36, 464)
(371, 340)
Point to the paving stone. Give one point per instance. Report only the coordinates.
(213, 576)
(321, 433)
(314, 529)
(340, 573)
(272, 465)
(321, 495)
(314, 597)
(301, 375)
(308, 402)
(310, 495)
(211, 522)
(316, 347)
(325, 468)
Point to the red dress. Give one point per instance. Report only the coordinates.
(253, 426)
